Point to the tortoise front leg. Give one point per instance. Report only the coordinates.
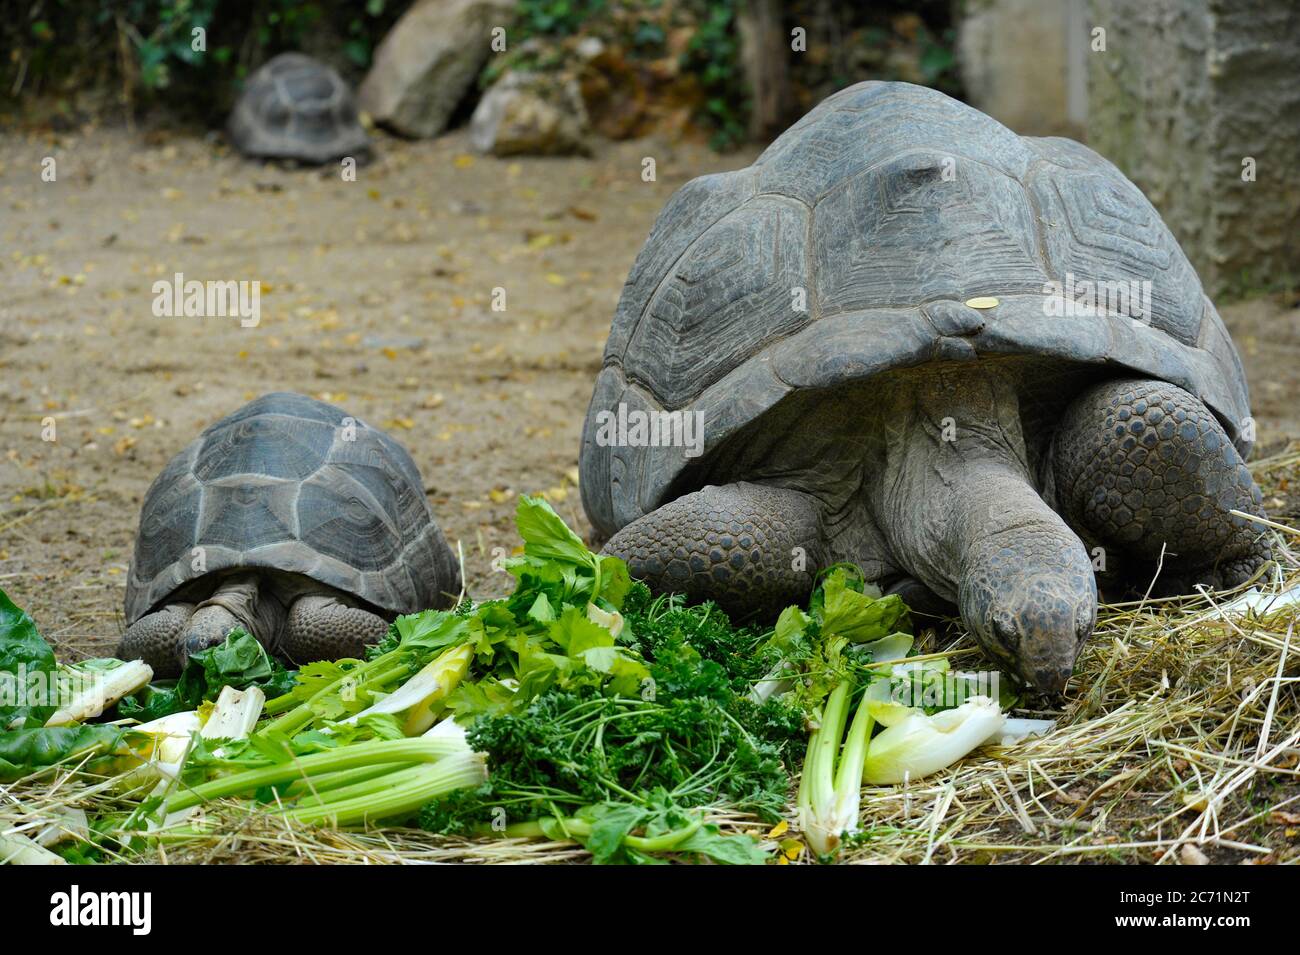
(156, 639)
(326, 626)
(751, 548)
(1143, 466)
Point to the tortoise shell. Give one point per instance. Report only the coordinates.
(295, 107)
(851, 246)
(293, 484)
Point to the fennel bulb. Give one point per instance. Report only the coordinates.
(919, 745)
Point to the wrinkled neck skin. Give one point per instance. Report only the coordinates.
(957, 497)
(952, 467)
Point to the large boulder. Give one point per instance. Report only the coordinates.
(428, 61)
(534, 114)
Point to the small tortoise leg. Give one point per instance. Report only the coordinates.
(751, 548)
(1142, 465)
(156, 639)
(327, 627)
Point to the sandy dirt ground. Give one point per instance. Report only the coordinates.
(376, 296)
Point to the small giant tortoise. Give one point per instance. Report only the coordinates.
(295, 107)
(291, 519)
(884, 327)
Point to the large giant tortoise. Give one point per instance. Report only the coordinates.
(291, 519)
(295, 107)
(883, 326)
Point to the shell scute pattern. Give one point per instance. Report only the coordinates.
(293, 484)
(912, 203)
(294, 107)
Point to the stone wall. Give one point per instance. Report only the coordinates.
(1185, 92)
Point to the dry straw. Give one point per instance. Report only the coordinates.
(1179, 742)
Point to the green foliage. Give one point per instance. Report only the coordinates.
(938, 59)
(27, 751)
(555, 17)
(238, 661)
(714, 57)
(686, 736)
(147, 48)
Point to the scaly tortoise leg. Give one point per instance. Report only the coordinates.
(751, 548)
(1143, 466)
(328, 627)
(156, 639)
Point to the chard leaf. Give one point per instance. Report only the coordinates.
(238, 661)
(27, 670)
(25, 751)
(728, 850)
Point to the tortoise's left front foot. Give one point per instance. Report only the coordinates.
(324, 627)
(751, 548)
(1144, 467)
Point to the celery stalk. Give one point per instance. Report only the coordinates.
(829, 793)
(411, 790)
(394, 775)
(416, 700)
(346, 777)
(374, 672)
(420, 749)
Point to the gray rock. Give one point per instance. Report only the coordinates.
(428, 61)
(531, 114)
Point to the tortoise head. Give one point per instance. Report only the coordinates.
(1031, 599)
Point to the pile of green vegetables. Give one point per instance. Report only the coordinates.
(579, 708)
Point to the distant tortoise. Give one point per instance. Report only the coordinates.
(293, 520)
(295, 107)
(820, 311)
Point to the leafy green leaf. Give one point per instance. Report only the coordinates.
(238, 661)
(546, 536)
(574, 633)
(431, 629)
(728, 850)
(856, 616)
(25, 751)
(27, 670)
(611, 825)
